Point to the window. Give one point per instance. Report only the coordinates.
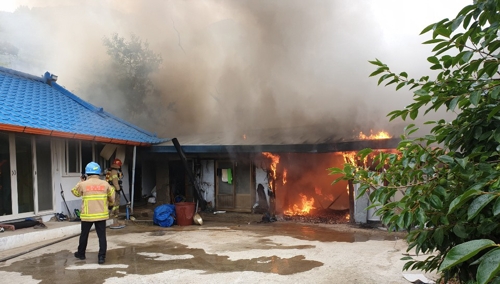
(72, 156)
(79, 153)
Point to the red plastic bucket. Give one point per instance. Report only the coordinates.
(184, 212)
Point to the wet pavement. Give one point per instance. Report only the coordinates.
(216, 252)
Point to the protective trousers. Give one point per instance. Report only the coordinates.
(100, 228)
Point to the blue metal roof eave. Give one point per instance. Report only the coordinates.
(284, 148)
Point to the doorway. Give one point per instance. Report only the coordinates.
(25, 175)
(234, 183)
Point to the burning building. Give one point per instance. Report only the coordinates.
(260, 173)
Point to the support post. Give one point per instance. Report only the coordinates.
(133, 181)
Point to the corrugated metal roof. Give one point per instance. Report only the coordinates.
(39, 105)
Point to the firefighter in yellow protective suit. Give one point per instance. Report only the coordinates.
(96, 194)
(114, 177)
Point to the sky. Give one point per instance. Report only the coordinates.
(235, 66)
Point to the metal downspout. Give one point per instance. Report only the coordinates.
(133, 180)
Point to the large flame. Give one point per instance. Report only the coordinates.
(373, 136)
(301, 209)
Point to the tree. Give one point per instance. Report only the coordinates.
(450, 178)
(133, 63)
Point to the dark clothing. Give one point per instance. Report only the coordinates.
(100, 228)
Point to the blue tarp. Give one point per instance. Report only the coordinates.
(164, 215)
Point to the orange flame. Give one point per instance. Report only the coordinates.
(303, 209)
(275, 161)
(284, 176)
(350, 158)
(373, 136)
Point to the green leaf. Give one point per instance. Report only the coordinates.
(489, 266)
(467, 20)
(494, 93)
(438, 236)
(462, 162)
(442, 31)
(494, 111)
(456, 23)
(467, 56)
(463, 252)
(478, 204)
(491, 67)
(433, 60)
(496, 207)
(453, 103)
(377, 62)
(474, 97)
(428, 28)
(460, 231)
(440, 46)
(421, 92)
(414, 114)
(400, 85)
(461, 199)
(445, 159)
(436, 202)
(376, 72)
(435, 40)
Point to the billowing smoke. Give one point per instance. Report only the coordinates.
(233, 66)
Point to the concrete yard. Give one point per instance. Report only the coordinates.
(222, 250)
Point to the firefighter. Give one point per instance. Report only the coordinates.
(114, 177)
(96, 194)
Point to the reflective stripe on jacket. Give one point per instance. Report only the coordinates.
(96, 195)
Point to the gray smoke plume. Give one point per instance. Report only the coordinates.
(233, 66)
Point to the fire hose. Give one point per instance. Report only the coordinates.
(127, 207)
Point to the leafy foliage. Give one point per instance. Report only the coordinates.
(449, 179)
(133, 63)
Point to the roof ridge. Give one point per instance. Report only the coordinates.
(98, 110)
(21, 74)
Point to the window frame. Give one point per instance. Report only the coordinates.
(78, 158)
(96, 157)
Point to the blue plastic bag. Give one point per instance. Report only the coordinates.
(164, 215)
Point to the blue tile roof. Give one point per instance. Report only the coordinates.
(39, 105)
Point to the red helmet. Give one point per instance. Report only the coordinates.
(117, 162)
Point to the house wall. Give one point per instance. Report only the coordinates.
(62, 180)
(68, 181)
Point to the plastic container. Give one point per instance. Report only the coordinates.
(185, 213)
